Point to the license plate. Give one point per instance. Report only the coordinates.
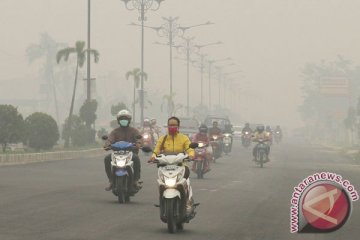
(171, 167)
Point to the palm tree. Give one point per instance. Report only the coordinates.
(47, 47)
(136, 74)
(169, 100)
(81, 52)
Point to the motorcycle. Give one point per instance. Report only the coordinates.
(215, 143)
(174, 190)
(122, 168)
(199, 164)
(227, 141)
(246, 139)
(260, 155)
(148, 139)
(277, 137)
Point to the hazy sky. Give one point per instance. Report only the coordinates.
(270, 40)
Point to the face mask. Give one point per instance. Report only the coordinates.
(124, 123)
(173, 129)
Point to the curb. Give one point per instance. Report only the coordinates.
(26, 158)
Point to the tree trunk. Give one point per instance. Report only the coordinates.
(72, 105)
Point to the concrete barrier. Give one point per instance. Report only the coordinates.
(25, 158)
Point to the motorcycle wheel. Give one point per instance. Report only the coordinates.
(170, 215)
(199, 169)
(120, 183)
(261, 159)
(180, 226)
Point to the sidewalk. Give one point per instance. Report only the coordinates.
(350, 152)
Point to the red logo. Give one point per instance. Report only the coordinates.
(326, 207)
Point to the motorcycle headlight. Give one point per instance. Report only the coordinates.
(215, 137)
(246, 133)
(170, 182)
(120, 162)
(146, 136)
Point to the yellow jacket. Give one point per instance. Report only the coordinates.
(174, 144)
(264, 135)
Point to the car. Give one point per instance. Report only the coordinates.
(222, 121)
(189, 126)
(237, 132)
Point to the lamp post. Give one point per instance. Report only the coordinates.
(221, 75)
(171, 29)
(188, 47)
(142, 6)
(211, 62)
(88, 79)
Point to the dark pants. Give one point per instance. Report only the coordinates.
(137, 167)
(267, 150)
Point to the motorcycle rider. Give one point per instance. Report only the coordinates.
(146, 128)
(279, 131)
(228, 129)
(270, 133)
(215, 130)
(247, 129)
(155, 129)
(176, 142)
(128, 134)
(202, 136)
(260, 133)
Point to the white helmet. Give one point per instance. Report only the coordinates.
(123, 113)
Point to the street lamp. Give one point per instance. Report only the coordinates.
(171, 29)
(220, 76)
(211, 62)
(142, 6)
(188, 48)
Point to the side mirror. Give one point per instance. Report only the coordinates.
(146, 149)
(105, 137)
(193, 145)
(138, 137)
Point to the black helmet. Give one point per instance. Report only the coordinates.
(260, 128)
(203, 128)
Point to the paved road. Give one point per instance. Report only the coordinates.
(65, 200)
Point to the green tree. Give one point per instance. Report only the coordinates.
(88, 112)
(78, 132)
(12, 128)
(136, 74)
(81, 53)
(43, 132)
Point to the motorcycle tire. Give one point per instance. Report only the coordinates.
(120, 186)
(170, 214)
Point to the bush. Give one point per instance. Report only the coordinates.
(42, 131)
(11, 126)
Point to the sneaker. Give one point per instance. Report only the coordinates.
(138, 184)
(189, 206)
(108, 188)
